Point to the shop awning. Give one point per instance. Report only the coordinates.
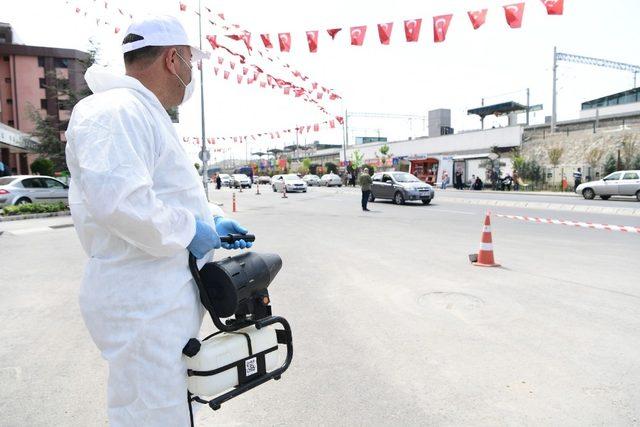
(472, 156)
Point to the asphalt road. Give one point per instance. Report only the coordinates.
(392, 324)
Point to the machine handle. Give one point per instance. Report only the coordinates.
(232, 238)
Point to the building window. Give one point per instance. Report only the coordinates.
(10, 101)
(43, 104)
(61, 63)
(43, 83)
(5, 58)
(10, 123)
(7, 80)
(40, 61)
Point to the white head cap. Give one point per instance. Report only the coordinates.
(163, 30)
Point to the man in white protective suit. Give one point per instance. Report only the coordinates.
(139, 208)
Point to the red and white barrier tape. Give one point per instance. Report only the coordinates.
(624, 228)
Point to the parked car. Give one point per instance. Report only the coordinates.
(240, 180)
(330, 180)
(225, 180)
(291, 182)
(21, 189)
(621, 183)
(311, 180)
(264, 179)
(400, 187)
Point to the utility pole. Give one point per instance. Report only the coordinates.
(528, 105)
(346, 136)
(204, 154)
(555, 93)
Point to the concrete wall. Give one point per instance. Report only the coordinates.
(576, 146)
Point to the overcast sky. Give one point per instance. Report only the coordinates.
(495, 62)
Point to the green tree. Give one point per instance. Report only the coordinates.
(610, 164)
(331, 167)
(629, 150)
(518, 160)
(636, 163)
(383, 154)
(357, 160)
(42, 166)
(594, 156)
(306, 163)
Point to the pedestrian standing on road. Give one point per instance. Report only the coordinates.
(139, 209)
(2, 168)
(445, 180)
(458, 183)
(577, 178)
(347, 180)
(218, 182)
(365, 185)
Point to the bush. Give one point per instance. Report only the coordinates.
(42, 166)
(34, 208)
(610, 164)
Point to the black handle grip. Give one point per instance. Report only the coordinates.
(232, 238)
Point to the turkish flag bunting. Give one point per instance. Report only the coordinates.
(213, 42)
(357, 35)
(250, 81)
(312, 39)
(233, 65)
(316, 127)
(412, 29)
(384, 32)
(513, 13)
(246, 38)
(245, 70)
(319, 96)
(333, 97)
(287, 90)
(340, 119)
(478, 18)
(333, 32)
(255, 75)
(183, 7)
(308, 128)
(266, 41)
(440, 27)
(332, 124)
(263, 84)
(270, 80)
(226, 75)
(77, 10)
(239, 79)
(278, 134)
(554, 7)
(299, 92)
(314, 85)
(285, 42)
(116, 30)
(220, 60)
(215, 70)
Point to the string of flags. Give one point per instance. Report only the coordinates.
(514, 14)
(271, 135)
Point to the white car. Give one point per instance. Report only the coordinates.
(225, 180)
(330, 180)
(22, 189)
(240, 180)
(311, 180)
(622, 183)
(290, 182)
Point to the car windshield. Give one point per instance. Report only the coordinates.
(405, 177)
(7, 180)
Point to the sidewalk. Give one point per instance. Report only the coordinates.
(519, 193)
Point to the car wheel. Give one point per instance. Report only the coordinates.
(426, 202)
(588, 194)
(605, 197)
(372, 198)
(638, 195)
(23, 201)
(398, 198)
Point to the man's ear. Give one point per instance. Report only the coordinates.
(170, 59)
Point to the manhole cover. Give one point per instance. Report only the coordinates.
(453, 301)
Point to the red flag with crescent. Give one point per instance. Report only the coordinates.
(554, 7)
(478, 18)
(440, 27)
(266, 41)
(384, 32)
(357, 35)
(514, 13)
(285, 42)
(412, 29)
(312, 39)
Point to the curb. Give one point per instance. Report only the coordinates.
(34, 216)
(546, 206)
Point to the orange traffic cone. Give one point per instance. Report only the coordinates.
(284, 191)
(485, 254)
(234, 201)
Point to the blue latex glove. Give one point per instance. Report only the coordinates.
(204, 241)
(226, 226)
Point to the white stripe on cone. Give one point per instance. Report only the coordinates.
(486, 247)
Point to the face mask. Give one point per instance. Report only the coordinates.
(188, 88)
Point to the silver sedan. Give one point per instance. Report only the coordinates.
(21, 189)
(622, 183)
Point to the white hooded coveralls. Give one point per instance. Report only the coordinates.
(134, 196)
